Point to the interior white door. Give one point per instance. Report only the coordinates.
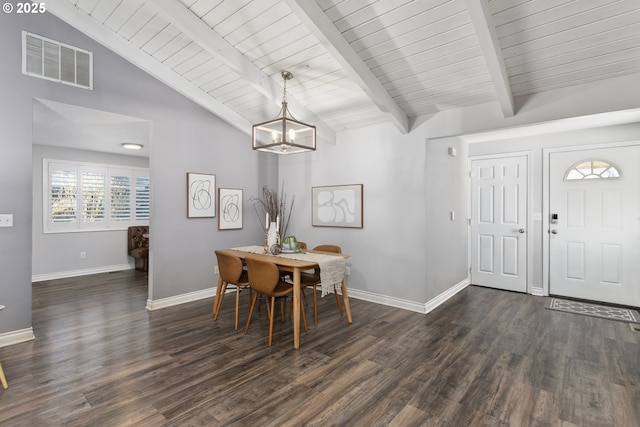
(594, 244)
(498, 223)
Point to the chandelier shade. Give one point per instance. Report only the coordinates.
(284, 135)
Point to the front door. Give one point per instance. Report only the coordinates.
(594, 230)
(498, 223)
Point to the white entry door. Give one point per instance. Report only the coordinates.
(594, 236)
(498, 223)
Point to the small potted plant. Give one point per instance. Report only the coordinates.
(290, 244)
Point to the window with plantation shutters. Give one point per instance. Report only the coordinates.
(89, 197)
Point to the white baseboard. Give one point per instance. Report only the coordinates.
(83, 272)
(423, 308)
(16, 337)
(181, 299)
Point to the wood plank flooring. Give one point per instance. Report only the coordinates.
(484, 358)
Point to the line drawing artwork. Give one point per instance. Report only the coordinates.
(337, 206)
(201, 195)
(230, 205)
(230, 208)
(201, 202)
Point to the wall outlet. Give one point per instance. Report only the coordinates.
(6, 220)
(83, 255)
(215, 270)
(347, 271)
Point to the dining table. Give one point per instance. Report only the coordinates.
(295, 263)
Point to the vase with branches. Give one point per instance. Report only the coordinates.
(276, 207)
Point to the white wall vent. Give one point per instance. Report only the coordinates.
(59, 62)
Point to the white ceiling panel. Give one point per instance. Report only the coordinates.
(357, 62)
(554, 44)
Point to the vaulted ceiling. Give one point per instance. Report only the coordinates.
(357, 62)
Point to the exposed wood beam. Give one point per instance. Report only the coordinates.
(488, 38)
(196, 29)
(84, 23)
(321, 26)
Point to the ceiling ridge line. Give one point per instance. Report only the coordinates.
(321, 26)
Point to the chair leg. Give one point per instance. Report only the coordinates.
(237, 304)
(273, 314)
(253, 304)
(335, 292)
(3, 379)
(315, 306)
(304, 317)
(218, 301)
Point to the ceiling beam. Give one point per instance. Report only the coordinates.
(314, 18)
(73, 16)
(489, 43)
(207, 38)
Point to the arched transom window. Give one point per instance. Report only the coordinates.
(592, 169)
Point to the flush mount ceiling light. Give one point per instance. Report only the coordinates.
(132, 146)
(284, 135)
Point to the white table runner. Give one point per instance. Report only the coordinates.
(332, 267)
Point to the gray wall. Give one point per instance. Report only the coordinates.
(409, 250)
(185, 138)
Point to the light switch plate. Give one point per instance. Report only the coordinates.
(6, 220)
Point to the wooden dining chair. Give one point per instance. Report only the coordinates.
(308, 279)
(264, 278)
(232, 272)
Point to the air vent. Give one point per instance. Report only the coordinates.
(52, 60)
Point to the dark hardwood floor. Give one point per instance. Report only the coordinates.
(484, 358)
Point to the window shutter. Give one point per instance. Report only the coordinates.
(63, 193)
(120, 197)
(93, 196)
(142, 198)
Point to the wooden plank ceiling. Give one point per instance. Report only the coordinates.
(357, 62)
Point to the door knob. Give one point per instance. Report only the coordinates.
(554, 231)
(521, 231)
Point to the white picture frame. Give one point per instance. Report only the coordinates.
(201, 196)
(337, 206)
(230, 208)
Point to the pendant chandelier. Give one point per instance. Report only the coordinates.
(284, 135)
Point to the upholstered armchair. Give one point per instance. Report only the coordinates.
(138, 246)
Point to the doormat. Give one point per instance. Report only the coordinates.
(588, 309)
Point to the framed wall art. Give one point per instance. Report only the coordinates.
(337, 206)
(229, 208)
(201, 202)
